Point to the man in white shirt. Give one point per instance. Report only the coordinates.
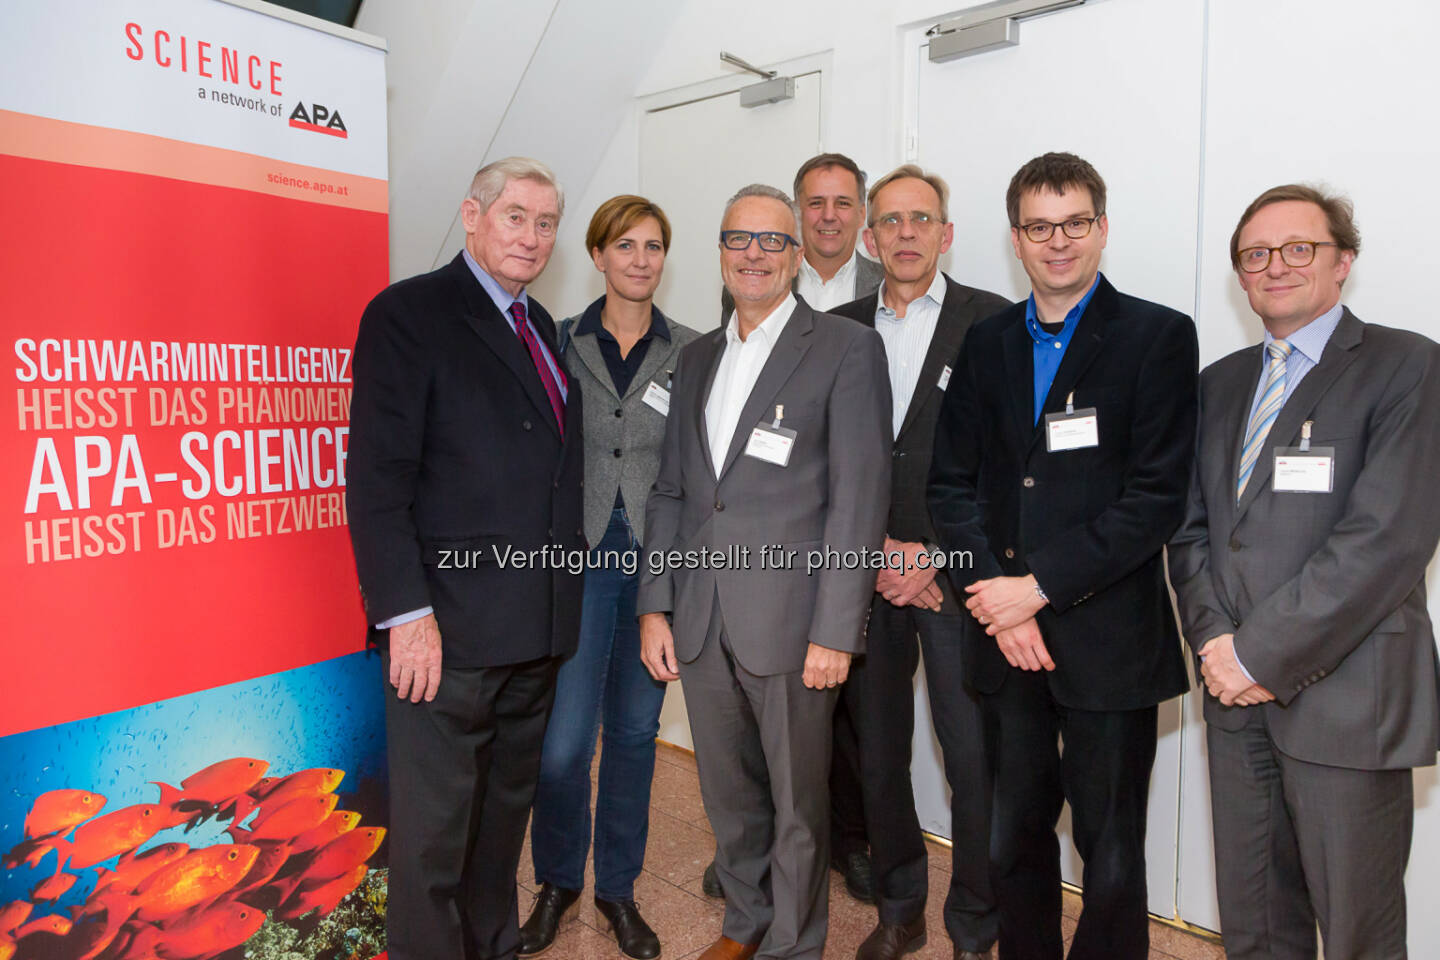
(830, 191)
(923, 317)
(774, 470)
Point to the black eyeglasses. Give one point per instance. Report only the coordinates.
(770, 241)
(1076, 228)
(1296, 253)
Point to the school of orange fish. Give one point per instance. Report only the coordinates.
(171, 902)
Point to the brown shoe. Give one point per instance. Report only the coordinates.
(890, 941)
(727, 949)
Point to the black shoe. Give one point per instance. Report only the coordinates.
(637, 941)
(553, 907)
(890, 941)
(855, 868)
(710, 883)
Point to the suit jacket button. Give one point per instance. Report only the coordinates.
(617, 451)
(550, 532)
(619, 412)
(1028, 482)
(1234, 544)
(719, 505)
(525, 424)
(1009, 553)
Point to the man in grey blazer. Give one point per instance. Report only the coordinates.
(830, 191)
(1300, 570)
(772, 494)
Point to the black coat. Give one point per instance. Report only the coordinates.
(454, 455)
(962, 308)
(1090, 524)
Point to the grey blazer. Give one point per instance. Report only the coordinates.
(626, 424)
(830, 374)
(868, 275)
(1325, 593)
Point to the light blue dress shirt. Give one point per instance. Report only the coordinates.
(1309, 343)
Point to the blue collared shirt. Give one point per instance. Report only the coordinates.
(502, 300)
(1309, 343)
(1050, 348)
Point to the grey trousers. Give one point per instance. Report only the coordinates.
(1298, 842)
(762, 745)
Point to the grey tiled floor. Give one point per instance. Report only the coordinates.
(687, 922)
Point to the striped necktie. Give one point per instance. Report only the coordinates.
(537, 356)
(1272, 398)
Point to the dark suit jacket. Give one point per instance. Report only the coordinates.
(868, 274)
(910, 455)
(1090, 523)
(830, 375)
(454, 454)
(1325, 593)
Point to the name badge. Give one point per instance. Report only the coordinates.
(1073, 429)
(944, 378)
(657, 398)
(772, 442)
(1303, 469)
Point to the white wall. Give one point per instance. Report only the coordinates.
(859, 43)
(474, 80)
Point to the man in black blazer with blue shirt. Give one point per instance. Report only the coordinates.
(465, 449)
(1061, 462)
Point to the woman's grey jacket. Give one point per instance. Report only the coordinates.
(622, 434)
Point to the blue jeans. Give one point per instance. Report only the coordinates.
(603, 686)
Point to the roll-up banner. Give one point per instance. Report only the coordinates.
(191, 736)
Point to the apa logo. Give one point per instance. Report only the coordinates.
(320, 119)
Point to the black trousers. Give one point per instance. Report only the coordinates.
(880, 694)
(1104, 772)
(462, 777)
(847, 804)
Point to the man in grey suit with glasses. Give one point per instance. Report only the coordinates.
(772, 495)
(1300, 570)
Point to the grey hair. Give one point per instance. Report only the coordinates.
(911, 171)
(762, 190)
(491, 179)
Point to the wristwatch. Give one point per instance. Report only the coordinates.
(1041, 594)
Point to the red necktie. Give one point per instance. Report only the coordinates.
(537, 355)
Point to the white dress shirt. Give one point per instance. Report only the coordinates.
(907, 340)
(740, 367)
(821, 295)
